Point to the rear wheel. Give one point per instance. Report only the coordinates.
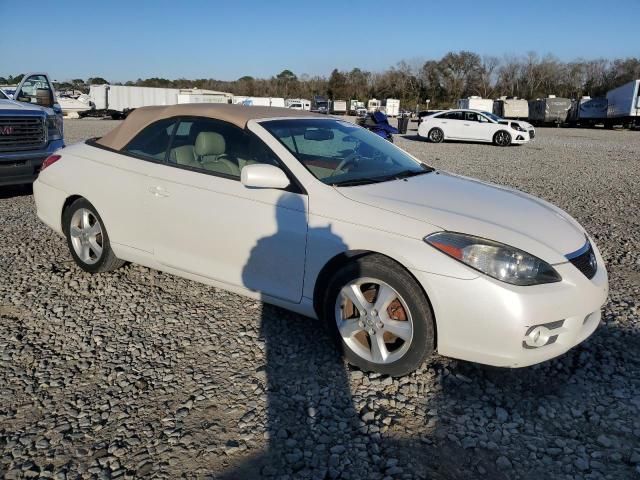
(435, 135)
(87, 238)
(380, 316)
(502, 139)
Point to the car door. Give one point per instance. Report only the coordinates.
(475, 126)
(118, 179)
(204, 221)
(451, 124)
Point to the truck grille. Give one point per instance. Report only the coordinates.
(585, 261)
(21, 133)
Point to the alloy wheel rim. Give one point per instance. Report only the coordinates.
(436, 136)
(86, 236)
(502, 138)
(374, 320)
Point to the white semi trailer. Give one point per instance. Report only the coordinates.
(623, 105)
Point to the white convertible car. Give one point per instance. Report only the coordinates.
(475, 126)
(327, 219)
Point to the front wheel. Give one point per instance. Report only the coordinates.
(502, 139)
(380, 316)
(87, 238)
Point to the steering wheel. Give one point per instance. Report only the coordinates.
(353, 157)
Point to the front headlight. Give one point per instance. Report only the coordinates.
(516, 126)
(54, 126)
(499, 261)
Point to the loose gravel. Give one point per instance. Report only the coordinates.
(138, 373)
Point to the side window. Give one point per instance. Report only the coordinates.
(153, 141)
(216, 147)
(471, 116)
(452, 116)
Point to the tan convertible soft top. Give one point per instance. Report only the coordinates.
(237, 114)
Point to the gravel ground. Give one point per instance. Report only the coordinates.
(138, 373)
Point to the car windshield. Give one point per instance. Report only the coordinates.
(2, 95)
(340, 153)
(493, 117)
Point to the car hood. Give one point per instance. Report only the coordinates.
(460, 204)
(21, 106)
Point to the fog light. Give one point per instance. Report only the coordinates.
(537, 337)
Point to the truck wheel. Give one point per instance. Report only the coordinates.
(87, 238)
(379, 316)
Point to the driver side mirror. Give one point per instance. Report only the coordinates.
(43, 97)
(262, 175)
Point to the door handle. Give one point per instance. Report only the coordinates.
(158, 191)
(467, 125)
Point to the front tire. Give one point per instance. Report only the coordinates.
(379, 316)
(87, 238)
(502, 139)
(435, 135)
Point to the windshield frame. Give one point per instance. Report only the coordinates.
(409, 166)
(491, 116)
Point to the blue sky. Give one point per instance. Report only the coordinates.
(126, 40)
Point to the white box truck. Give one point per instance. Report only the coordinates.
(390, 107)
(339, 107)
(476, 103)
(623, 105)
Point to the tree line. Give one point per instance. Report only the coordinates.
(455, 75)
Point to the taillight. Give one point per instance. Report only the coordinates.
(50, 160)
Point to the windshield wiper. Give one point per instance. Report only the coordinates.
(384, 178)
(360, 181)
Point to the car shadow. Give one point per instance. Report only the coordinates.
(325, 420)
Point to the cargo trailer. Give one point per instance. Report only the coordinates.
(476, 103)
(511, 107)
(588, 111)
(549, 110)
(119, 100)
(623, 105)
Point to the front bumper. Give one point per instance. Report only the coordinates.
(486, 321)
(518, 137)
(23, 167)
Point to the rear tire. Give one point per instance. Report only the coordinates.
(391, 309)
(502, 138)
(435, 135)
(87, 238)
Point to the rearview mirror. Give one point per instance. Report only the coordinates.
(261, 175)
(318, 134)
(43, 97)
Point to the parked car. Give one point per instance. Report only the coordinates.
(474, 126)
(322, 217)
(31, 129)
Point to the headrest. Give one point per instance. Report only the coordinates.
(209, 143)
